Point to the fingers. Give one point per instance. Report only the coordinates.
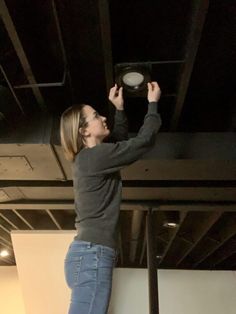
(120, 92)
(115, 92)
(154, 92)
(152, 85)
(116, 97)
(112, 92)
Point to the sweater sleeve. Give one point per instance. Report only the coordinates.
(120, 129)
(110, 157)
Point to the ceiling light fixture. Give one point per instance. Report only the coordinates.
(169, 224)
(133, 78)
(171, 220)
(4, 253)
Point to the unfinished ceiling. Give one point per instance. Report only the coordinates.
(56, 53)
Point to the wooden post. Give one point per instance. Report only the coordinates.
(152, 267)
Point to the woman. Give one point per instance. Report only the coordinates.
(97, 187)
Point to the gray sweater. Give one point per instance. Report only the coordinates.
(97, 180)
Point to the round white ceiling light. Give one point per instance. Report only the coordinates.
(170, 224)
(4, 253)
(133, 79)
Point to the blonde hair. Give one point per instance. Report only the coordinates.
(72, 140)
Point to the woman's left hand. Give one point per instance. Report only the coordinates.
(116, 97)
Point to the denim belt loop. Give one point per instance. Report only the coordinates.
(89, 245)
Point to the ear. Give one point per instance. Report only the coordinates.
(84, 132)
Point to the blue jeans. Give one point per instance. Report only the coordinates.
(88, 272)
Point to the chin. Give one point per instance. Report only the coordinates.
(107, 134)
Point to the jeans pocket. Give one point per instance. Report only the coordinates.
(110, 257)
(72, 270)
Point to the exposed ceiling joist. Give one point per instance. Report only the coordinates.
(222, 254)
(9, 24)
(5, 229)
(198, 233)
(200, 8)
(126, 183)
(54, 219)
(127, 205)
(173, 235)
(227, 232)
(12, 90)
(104, 15)
(22, 218)
(8, 221)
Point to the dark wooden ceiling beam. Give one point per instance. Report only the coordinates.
(39, 220)
(200, 230)
(50, 214)
(5, 226)
(126, 183)
(66, 74)
(12, 89)
(5, 234)
(12, 219)
(200, 8)
(65, 217)
(15, 210)
(143, 205)
(83, 24)
(9, 25)
(198, 206)
(8, 221)
(103, 6)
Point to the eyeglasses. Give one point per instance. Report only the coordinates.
(96, 115)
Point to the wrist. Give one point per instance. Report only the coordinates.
(152, 100)
(119, 106)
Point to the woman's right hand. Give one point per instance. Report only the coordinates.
(116, 97)
(154, 92)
